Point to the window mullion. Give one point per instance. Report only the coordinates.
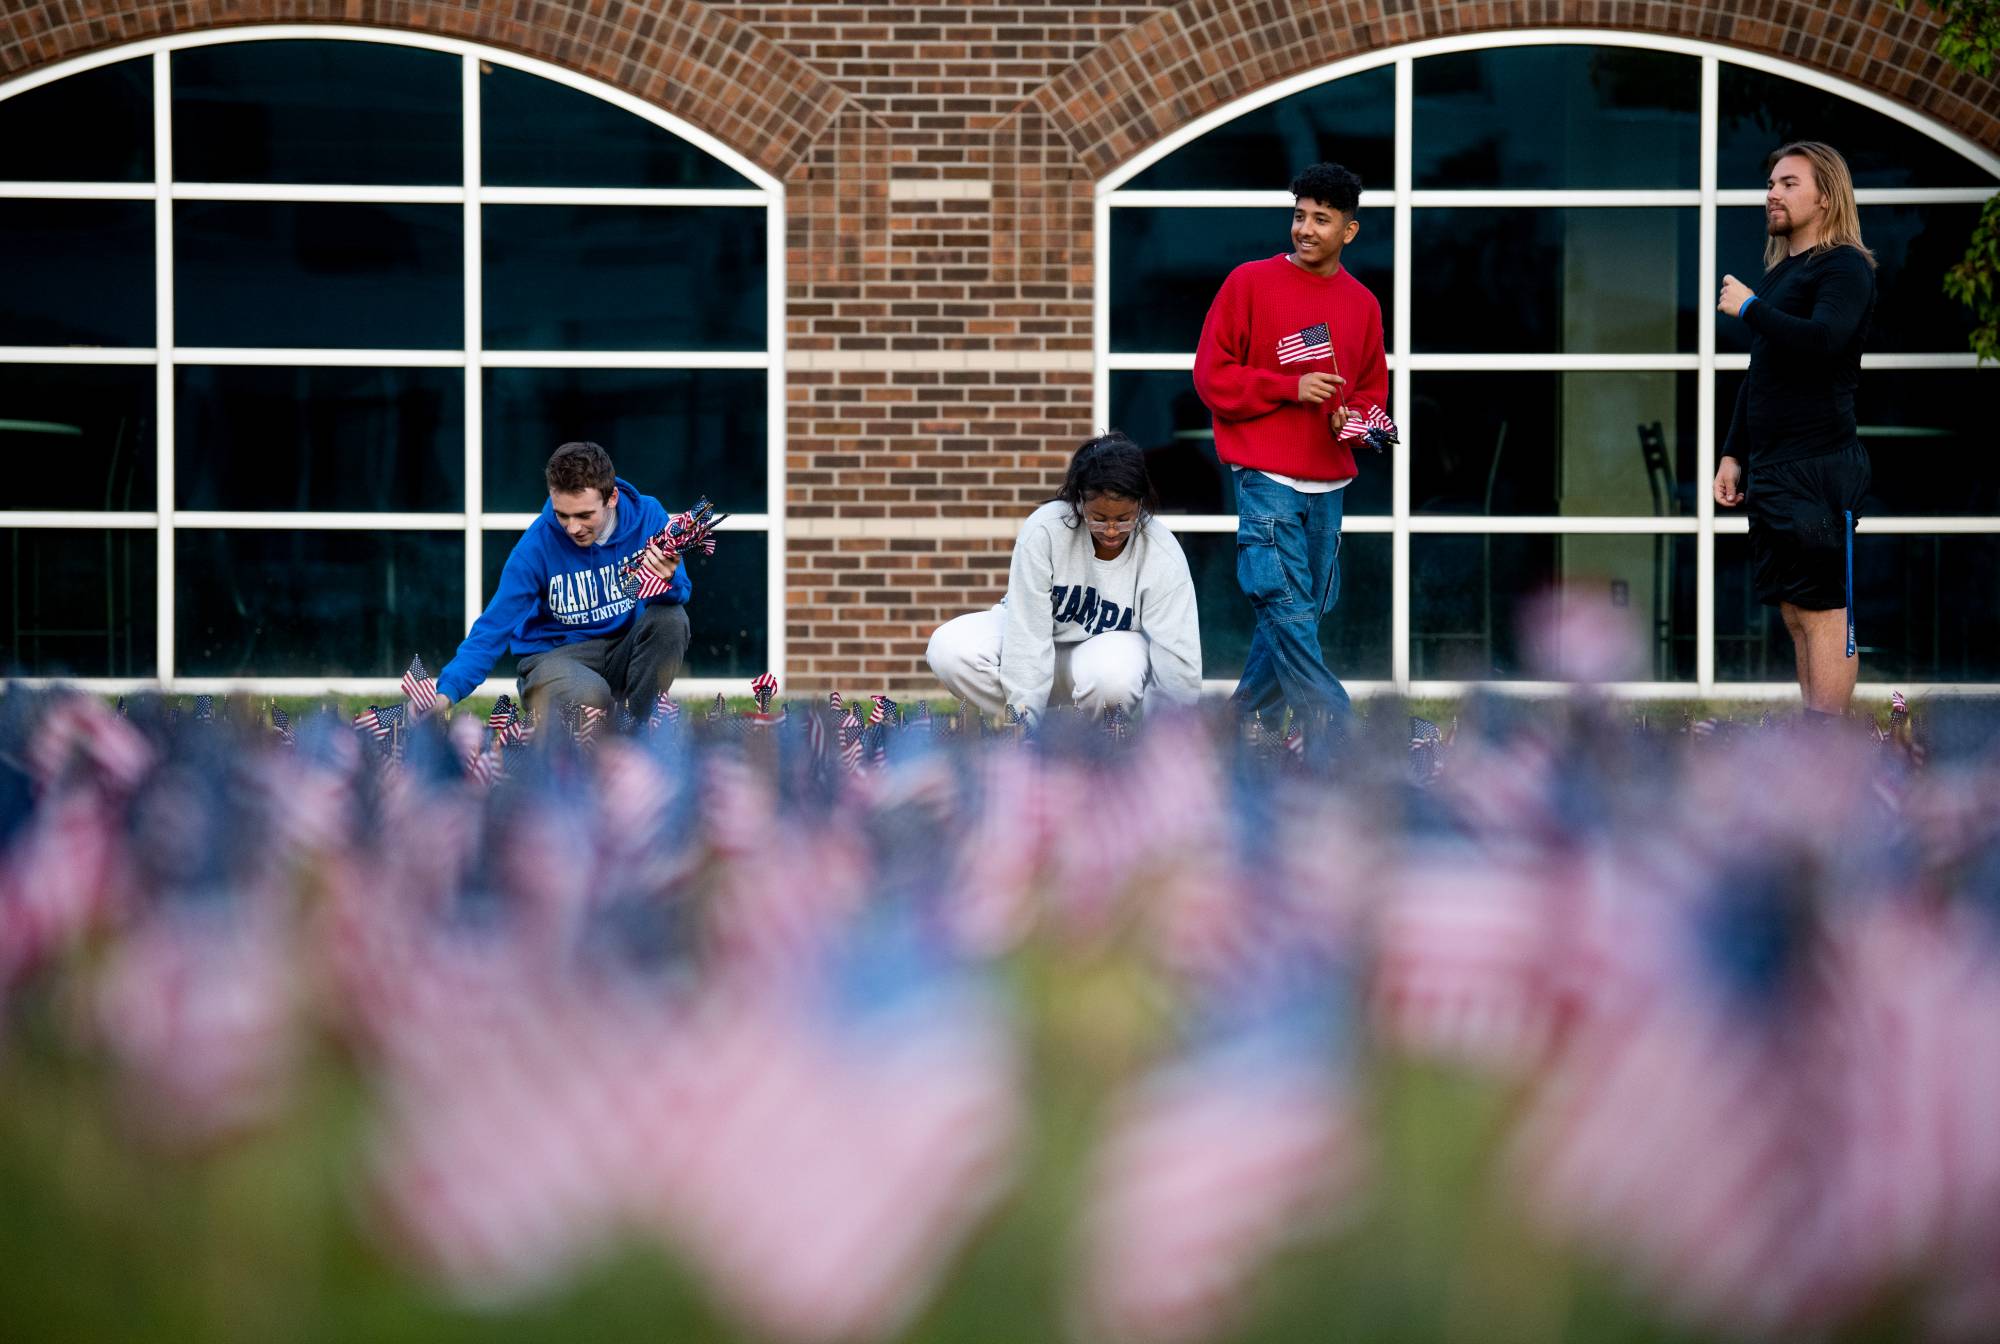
(1704, 421)
(475, 403)
(163, 368)
(1399, 486)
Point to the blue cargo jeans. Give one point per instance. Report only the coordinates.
(1288, 565)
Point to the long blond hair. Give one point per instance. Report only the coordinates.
(1841, 226)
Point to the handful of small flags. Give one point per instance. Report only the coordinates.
(756, 1003)
(1371, 429)
(693, 530)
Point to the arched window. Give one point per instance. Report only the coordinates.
(294, 316)
(1548, 220)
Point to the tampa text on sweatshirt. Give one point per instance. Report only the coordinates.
(1271, 324)
(1807, 325)
(555, 592)
(1059, 592)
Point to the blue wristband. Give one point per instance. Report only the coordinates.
(1745, 306)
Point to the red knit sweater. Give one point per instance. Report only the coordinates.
(1248, 366)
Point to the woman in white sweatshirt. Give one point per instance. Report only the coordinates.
(1099, 611)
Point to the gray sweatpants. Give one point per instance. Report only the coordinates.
(631, 668)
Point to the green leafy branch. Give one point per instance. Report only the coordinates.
(1969, 38)
(1975, 282)
(1968, 32)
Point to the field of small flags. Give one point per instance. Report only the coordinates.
(849, 1020)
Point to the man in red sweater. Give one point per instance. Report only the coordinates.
(1291, 367)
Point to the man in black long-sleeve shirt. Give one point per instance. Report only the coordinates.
(1792, 452)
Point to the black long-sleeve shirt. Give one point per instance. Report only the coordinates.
(1806, 328)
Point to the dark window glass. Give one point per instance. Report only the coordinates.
(1929, 436)
(578, 277)
(1467, 595)
(315, 604)
(1553, 443)
(92, 127)
(351, 112)
(319, 275)
(1924, 610)
(1556, 118)
(1760, 112)
(1553, 280)
(78, 436)
(538, 133)
(78, 603)
(1162, 414)
(332, 439)
(1914, 245)
(727, 614)
(676, 434)
(730, 608)
(1354, 636)
(1350, 121)
(1168, 264)
(78, 273)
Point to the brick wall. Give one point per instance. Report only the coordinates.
(939, 163)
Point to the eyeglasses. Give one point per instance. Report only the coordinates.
(1111, 529)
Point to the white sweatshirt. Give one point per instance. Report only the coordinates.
(1059, 592)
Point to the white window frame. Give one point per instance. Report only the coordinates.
(474, 523)
(1402, 200)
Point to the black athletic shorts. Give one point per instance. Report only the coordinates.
(1798, 527)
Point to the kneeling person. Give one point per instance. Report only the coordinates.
(560, 606)
(1100, 607)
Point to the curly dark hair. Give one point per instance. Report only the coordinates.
(1331, 185)
(1109, 464)
(581, 466)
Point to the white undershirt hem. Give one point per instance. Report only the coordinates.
(1303, 487)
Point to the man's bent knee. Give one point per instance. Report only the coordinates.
(666, 621)
(546, 687)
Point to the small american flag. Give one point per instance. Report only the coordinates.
(1426, 750)
(884, 711)
(378, 722)
(1315, 342)
(718, 709)
(1372, 426)
(204, 708)
(664, 711)
(420, 687)
(763, 688)
(1210, 1165)
(684, 532)
(281, 724)
(588, 719)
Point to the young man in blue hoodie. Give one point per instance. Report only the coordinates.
(560, 605)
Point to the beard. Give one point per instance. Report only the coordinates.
(1778, 225)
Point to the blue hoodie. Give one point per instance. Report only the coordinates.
(555, 592)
